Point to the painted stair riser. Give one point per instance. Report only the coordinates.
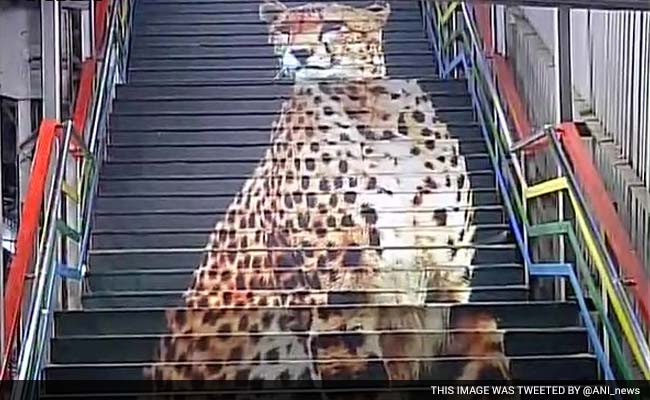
(212, 200)
(539, 368)
(134, 349)
(142, 299)
(244, 90)
(162, 259)
(485, 234)
(126, 321)
(225, 106)
(206, 219)
(243, 119)
(180, 278)
(478, 179)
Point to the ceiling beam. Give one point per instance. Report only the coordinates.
(640, 5)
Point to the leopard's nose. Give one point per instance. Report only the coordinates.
(301, 55)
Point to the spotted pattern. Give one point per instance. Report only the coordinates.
(324, 259)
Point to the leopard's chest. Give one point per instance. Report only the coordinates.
(365, 145)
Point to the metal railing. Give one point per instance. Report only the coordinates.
(48, 259)
(614, 330)
(601, 175)
(80, 149)
(612, 96)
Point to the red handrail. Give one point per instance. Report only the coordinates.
(603, 208)
(18, 268)
(584, 168)
(82, 103)
(101, 13)
(31, 210)
(89, 69)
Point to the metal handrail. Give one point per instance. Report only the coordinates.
(51, 264)
(500, 144)
(625, 314)
(112, 72)
(643, 358)
(44, 267)
(496, 150)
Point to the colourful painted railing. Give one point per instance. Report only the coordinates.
(592, 185)
(454, 36)
(74, 148)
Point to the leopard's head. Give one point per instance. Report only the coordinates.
(327, 40)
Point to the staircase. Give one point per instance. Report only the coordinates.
(190, 126)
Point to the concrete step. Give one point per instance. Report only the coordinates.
(249, 90)
(193, 237)
(202, 120)
(206, 218)
(262, 73)
(248, 20)
(233, 183)
(146, 299)
(241, 6)
(141, 201)
(139, 349)
(408, 29)
(106, 259)
(216, 59)
(550, 368)
(206, 146)
(224, 105)
(152, 279)
(230, 44)
(151, 321)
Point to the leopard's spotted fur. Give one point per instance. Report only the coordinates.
(361, 199)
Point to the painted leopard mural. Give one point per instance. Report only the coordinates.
(357, 215)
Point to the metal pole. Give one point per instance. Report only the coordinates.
(563, 63)
(51, 58)
(91, 32)
(2, 266)
(564, 104)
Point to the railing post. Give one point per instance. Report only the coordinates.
(72, 221)
(560, 284)
(51, 58)
(524, 206)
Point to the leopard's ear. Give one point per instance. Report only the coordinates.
(381, 10)
(270, 10)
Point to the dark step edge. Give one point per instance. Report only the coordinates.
(246, 176)
(262, 128)
(170, 98)
(173, 271)
(210, 194)
(179, 293)
(567, 329)
(478, 304)
(212, 212)
(441, 358)
(256, 82)
(442, 109)
(157, 231)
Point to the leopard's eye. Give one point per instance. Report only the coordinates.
(356, 327)
(331, 26)
(283, 29)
